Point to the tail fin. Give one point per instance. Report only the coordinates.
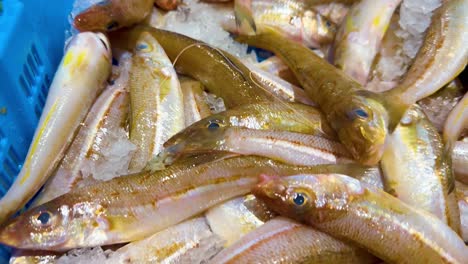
(244, 17)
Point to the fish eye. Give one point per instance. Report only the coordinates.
(213, 125)
(112, 25)
(358, 113)
(299, 198)
(328, 24)
(42, 219)
(143, 46)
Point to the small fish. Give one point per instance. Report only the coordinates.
(443, 55)
(167, 4)
(284, 146)
(462, 197)
(81, 75)
(156, 100)
(359, 37)
(438, 106)
(460, 161)
(457, 121)
(220, 73)
(370, 218)
(282, 240)
(243, 16)
(109, 112)
(133, 207)
(277, 67)
(191, 241)
(417, 168)
(237, 217)
(195, 106)
(360, 118)
(109, 15)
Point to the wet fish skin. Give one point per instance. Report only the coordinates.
(195, 106)
(292, 117)
(423, 177)
(457, 121)
(460, 161)
(443, 55)
(360, 118)
(167, 4)
(277, 67)
(220, 73)
(348, 209)
(462, 197)
(69, 99)
(282, 240)
(359, 37)
(112, 14)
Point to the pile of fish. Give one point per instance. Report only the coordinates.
(310, 162)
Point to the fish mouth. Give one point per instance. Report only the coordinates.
(9, 235)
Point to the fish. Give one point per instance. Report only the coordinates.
(438, 106)
(284, 146)
(33, 257)
(133, 207)
(81, 75)
(457, 122)
(295, 118)
(282, 240)
(167, 4)
(460, 161)
(195, 105)
(237, 217)
(109, 15)
(360, 118)
(348, 209)
(462, 197)
(335, 12)
(442, 56)
(191, 241)
(109, 112)
(277, 67)
(220, 73)
(156, 100)
(244, 17)
(360, 35)
(417, 168)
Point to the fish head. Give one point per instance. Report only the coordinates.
(98, 17)
(362, 126)
(56, 226)
(319, 28)
(87, 48)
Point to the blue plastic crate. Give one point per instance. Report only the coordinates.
(32, 34)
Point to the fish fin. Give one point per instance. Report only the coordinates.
(244, 17)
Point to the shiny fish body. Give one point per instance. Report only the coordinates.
(156, 101)
(335, 12)
(460, 161)
(220, 73)
(291, 117)
(167, 4)
(110, 110)
(132, 207)
(33, 257)
(443, 55)
(191, 241)
(237, 217)
(457, 121)
(462, 197)
(112, 14)
(284, 146)
(417, 168)
(359, 37)
(195, 106)
(359, 117)
(81, 75)
(371, 218)
(438, 106)
(292, 18)
(277, 67)
(282, 240)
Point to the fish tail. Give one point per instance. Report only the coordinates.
(244, 17)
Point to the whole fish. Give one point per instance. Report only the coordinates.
(284, 146)
(219, 72)
(457, 121)
(462, 197)
(460, 161)
(132, 207)
(109, 112)
(156, 101)
(191, 241)
(110, 15)
(81, 75)
(443, 55)
(356, 212)
(294, 118)
(167, 4)
(282, 240)
(417, 168)
(277, 67)
(237, 217)
(359, 117)
(359, 37)
(195, 105)
(438, 106)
